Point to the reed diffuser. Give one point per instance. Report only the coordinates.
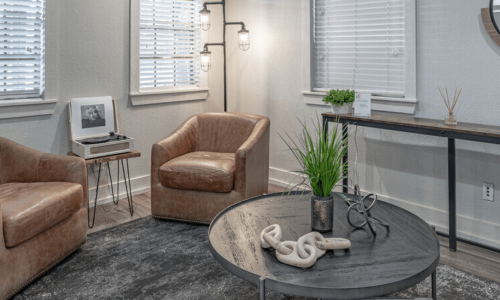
(450, 119)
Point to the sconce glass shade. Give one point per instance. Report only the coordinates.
(205, 62)
(205, 19)
(244, 39)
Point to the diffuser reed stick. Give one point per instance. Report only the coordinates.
(450, 118)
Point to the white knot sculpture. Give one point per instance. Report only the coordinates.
(302, 253)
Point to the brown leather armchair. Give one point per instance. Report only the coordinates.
(210, 162)
(43, 212)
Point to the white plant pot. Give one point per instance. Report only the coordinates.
(342, 110)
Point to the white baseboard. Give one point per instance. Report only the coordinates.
(479, 231)
(140, 185)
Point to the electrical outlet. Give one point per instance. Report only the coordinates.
(488, 191)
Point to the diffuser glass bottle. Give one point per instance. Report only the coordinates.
(451, 117)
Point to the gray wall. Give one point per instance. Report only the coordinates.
(453, 49)
(87, 55)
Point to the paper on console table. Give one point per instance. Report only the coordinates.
(363, 105)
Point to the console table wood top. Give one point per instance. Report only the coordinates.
(392, 121)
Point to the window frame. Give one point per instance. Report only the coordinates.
(405, 105)
(157, 95)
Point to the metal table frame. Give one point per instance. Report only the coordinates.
(448, 133)
(281, 287)
(262, 291)
(128, 188)
(99, 161)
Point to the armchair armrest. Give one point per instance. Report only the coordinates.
(179, 142)
(252, 162)
(60, 168)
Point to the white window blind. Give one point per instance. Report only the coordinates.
(169, 43)
(360, 45)
(22, 53)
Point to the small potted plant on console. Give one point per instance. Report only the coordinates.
(340, 101)
(319, 154)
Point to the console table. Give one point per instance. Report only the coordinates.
(405, 123)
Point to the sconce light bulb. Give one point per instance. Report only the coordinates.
(205, 19)
(244, 39)
(205, 62)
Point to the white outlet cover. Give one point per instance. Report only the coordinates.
(488, 191)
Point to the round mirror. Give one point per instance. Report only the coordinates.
(495, 14)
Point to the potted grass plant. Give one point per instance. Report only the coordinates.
(340, 101)
(319, 154)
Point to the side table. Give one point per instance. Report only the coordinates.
(126, 175)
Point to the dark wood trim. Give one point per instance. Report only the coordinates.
(490, 27)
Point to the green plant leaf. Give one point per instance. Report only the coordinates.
(319, 154)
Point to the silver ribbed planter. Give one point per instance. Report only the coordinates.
(321, 213)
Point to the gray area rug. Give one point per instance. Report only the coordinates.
(155, 259)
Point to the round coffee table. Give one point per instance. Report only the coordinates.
(375, 266)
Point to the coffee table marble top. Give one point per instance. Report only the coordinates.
(393, 260)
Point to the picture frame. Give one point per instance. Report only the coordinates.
(92, 117)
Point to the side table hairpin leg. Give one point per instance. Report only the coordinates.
(95, 199)
(115, 201)
(128, 188)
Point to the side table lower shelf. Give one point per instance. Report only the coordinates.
(119, 158)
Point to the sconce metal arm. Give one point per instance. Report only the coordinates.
(235, 23)
(205, 47)
(213, 3)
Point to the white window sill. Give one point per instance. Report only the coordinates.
(397, 105)
(21, 108)
(168, 96)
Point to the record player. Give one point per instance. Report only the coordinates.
(94, 128)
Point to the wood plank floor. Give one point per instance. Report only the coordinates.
(468, 258)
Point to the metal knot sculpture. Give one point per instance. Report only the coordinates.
(305, 251)
(358, 205)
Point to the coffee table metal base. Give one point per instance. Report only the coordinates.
(262, 288)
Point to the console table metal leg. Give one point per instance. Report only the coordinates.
(434, 286)
(325, 127)
(95, 200)
(262, 288)
(345, 159)
(452, 209)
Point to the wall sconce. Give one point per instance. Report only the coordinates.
(206, 63)
(205, 55)
(244, 39)
(205, 19)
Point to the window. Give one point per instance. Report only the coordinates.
(170, 38)
(166, 42)
(21, 59)
(365, 45)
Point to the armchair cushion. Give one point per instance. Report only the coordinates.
(31, 208)
(200, 171)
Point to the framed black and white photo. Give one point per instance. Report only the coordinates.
(92, 117)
